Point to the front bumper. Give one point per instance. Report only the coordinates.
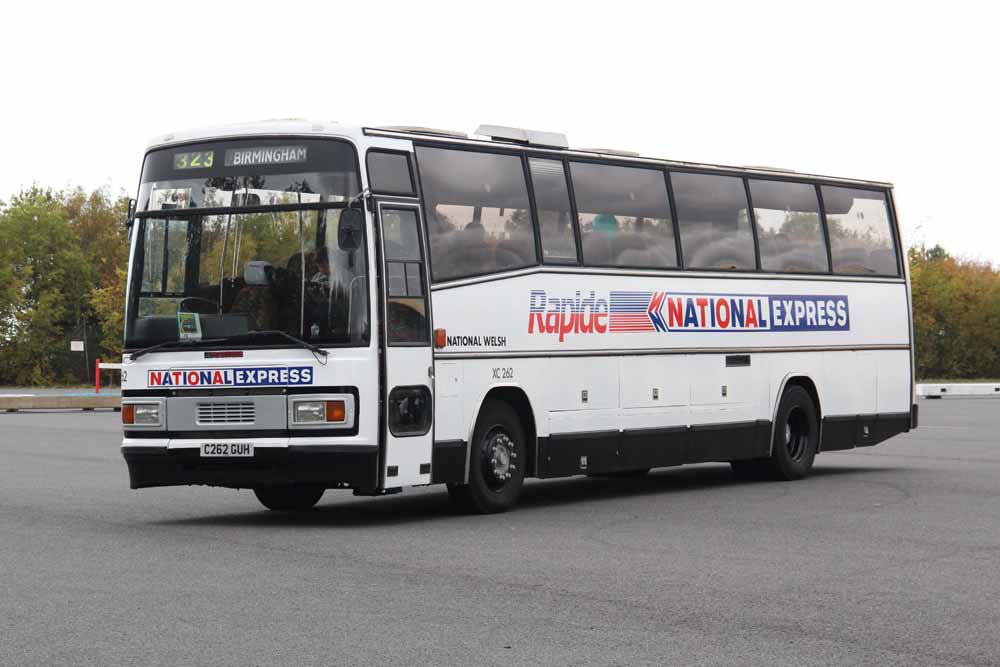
(335, 466)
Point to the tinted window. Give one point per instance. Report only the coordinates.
(624, 216)
(788, 226)
(712, 214)
(389, 172)
(478, 216)
(860, 233)
(555, 219)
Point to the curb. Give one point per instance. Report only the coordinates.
(18, 402)
(958, 389)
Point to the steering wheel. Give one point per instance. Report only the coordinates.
(186, 305)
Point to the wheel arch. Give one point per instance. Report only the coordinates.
(805, 381)
(516, 398)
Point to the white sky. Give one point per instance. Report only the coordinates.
(906, 92)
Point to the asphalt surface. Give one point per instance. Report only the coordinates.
(886, 556)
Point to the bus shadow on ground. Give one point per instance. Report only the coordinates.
(336, 510)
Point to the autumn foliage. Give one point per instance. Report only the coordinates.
(956, 315)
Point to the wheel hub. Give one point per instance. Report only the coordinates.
(499, 458)
(796, 434)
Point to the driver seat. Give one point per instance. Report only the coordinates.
(257, 298)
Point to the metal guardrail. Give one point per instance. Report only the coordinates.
(958, 389)
(98, 367)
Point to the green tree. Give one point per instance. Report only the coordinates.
(58, 251)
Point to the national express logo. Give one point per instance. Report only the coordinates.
(651, 312)
(230, 377)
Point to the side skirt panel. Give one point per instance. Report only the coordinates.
(562, 455)
(448, 461)
(850, 431)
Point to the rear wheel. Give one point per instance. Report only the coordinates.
(289, 497)
(496, 462)
(796, 439)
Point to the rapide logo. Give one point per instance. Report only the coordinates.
(565, 315)
(230, 377)
(651, 312)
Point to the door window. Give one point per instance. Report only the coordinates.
(406, 292)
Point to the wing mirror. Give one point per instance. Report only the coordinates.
(130, 214)
(350, 231)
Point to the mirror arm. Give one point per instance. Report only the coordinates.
(363, 195)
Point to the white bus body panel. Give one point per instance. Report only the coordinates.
(658, 379)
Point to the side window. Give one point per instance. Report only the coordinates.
(624, 216)
(406, 294)
(714, 221)
(555, 217)
(478, 215)
(788, 226)
(860, 232)
(389, 173)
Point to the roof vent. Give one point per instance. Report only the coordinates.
(520, 136)
(609, 151)
(414, 129)
(757, 167)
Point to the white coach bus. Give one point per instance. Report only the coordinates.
(313, 306)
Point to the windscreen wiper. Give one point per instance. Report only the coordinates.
(277, 332)
(173, 343)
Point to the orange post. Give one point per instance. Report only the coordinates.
(97, 375)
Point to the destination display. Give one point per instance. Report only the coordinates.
(254, 156)
(194, 160)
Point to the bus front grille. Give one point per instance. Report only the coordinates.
(226, 413)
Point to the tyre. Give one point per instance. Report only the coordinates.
(796, 439)
(796, 436)
(496, 462)
(289, 498)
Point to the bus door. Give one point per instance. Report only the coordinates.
(407, 366)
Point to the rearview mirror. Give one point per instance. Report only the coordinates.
(350, 230)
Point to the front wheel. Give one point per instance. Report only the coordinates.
(496, 462)
(290, 497)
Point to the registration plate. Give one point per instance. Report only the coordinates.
(227, 449)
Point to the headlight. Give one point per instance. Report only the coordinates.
(322, 411)
(141, 414)
(319, 412)
(309, 412)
